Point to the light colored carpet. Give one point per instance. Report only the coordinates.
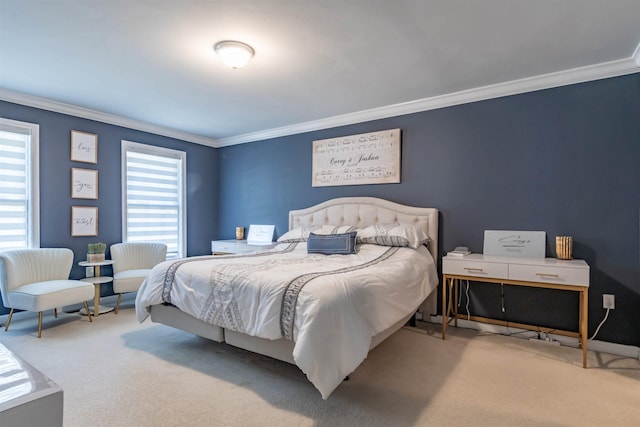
(117, 372)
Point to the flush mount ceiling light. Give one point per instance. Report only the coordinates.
(233, 53)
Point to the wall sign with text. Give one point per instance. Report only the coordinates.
(84, 221)
(84, 147)
(367, 158)
(84, 183)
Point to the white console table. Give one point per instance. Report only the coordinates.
(225, 247)
(549, 273)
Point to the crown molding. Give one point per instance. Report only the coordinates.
(113, 119)
(530, 84)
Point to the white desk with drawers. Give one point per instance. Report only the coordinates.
(549, 273)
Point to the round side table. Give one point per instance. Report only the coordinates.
(97, 280)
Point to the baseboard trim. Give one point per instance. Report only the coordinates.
(594, 345)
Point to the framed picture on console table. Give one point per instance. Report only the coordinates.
(84, 221)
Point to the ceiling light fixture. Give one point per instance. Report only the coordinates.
(233, 53)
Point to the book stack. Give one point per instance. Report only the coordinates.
(459, 252)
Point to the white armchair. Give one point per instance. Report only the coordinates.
(38, 280)
(132, 263)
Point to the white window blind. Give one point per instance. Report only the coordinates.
(19, 204)
(153, 196)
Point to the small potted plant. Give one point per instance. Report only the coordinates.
(95, 252)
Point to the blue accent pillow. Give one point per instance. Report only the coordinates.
(332, 244)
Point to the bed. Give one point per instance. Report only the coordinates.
(320, 312)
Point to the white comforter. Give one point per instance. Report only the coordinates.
(341, 303)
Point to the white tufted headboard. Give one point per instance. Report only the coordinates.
(363, 211)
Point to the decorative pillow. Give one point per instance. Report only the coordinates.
(301, 234)
(332, 244)
(393, 235)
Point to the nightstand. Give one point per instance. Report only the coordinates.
(548, 273)
(225, 247)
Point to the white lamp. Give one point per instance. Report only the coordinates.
(233, 53)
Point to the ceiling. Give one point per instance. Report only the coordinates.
(150, 65)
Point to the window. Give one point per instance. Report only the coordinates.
(19, 192)
(153, 196)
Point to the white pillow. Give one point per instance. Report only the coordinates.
(393, 235)
(301, 234)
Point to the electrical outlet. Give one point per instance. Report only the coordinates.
(608, 301)
(88, 272)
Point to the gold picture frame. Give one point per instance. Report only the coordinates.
(84, 183)
(84, 147)
(84, 221)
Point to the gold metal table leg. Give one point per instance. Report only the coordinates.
(447, 303)
(39, 324)
(96, 296)
(455, 284)
(96, 300)
(584, 304)
(445, 307)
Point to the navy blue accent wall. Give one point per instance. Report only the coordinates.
(564, 160)
(55, 183)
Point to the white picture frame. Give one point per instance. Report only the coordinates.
(367, 158)
(509, 243)
(84, 221)
(84, 147)
(260, 234)
(84, 183)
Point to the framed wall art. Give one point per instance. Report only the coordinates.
(84, 183)
(84, 147)
(84, 221)
(367, 158)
